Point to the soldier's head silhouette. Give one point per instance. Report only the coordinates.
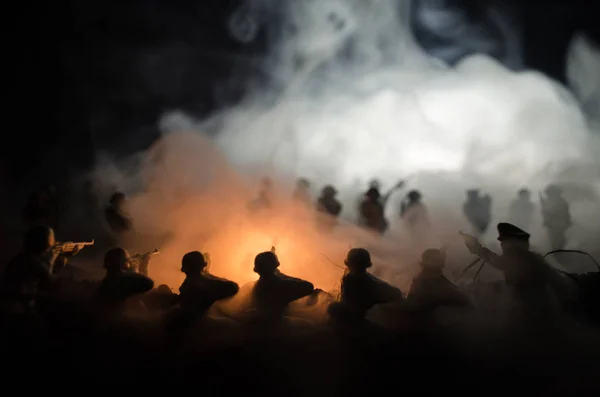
(414, 195)
(302, 183)
(553, 191)
(117, 199)
(193, 263)
(473, 193)
(432, 259)
(39, 239)
(374, 184)
(524, 193)
(116, 259)
(373, 194)
(358, 260)
(512, 238)
(329, 191)
(266, 263)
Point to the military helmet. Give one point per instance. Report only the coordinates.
(553, 190)
(329, 190)
(266, 262)
(358, 258)
(432, 259)
(508, 232)
(193, 262)
(116, 258)
(414, 195)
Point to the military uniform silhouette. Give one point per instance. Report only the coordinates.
(372, 212)
(274, 291)
(430, 288)
(521, 209)
(478, 210)
(265, 196)
(329, 208)
(120, 283)
(119, 223)
(526, 273)
(302, 192)
(414, 214)
(200, 289)
(557, 217)
(29, 271)
(360, 291)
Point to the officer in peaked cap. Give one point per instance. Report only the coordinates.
(509, 232)
(526, 273)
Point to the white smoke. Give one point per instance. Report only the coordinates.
(387, 110)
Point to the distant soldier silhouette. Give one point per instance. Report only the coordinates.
(521, 209)
(430, 289)
(120, 283)
(265, 196)
(329, 208)
(556, 216)
(274, 291)
(302, 192)
(31, 270)
(116, 217)
(42, 208)
(200, 289)
(360, 291)
(526, 273)
(372, 208)
(478, 210)
(415, 215)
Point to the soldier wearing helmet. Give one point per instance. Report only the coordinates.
(329, 208)
(120, 283)
(200, 289)
(430, 288)
(360, 291)
(415, 215)
(478, 211)
(521, 209)
(274, 291)
(556, 215)
(31, 270)
(302, 192)
(265, 196)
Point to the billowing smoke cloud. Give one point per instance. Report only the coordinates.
(356, 98)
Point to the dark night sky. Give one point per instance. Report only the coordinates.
(71, 59)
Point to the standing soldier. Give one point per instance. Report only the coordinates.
(556, 215)
(478, 210)
(415, 216)
(265, 196)
(526, 273)
(117, 219)
(521, 209)
(302, 192)
(329, 208)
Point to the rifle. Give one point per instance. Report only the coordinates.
(472, 243)
(70, 246)
(138, 264)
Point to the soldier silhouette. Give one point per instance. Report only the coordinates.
(120, 283)
(360, 291)
(430, 288)
(329, 208)
(521, 209)
(478, 211)
(274, 291)
(31, 270)
(556, 215)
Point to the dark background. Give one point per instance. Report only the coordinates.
(74, 72)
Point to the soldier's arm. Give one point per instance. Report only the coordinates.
(223, 289)
(490, 257)
(138, 284)
(295, 289)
